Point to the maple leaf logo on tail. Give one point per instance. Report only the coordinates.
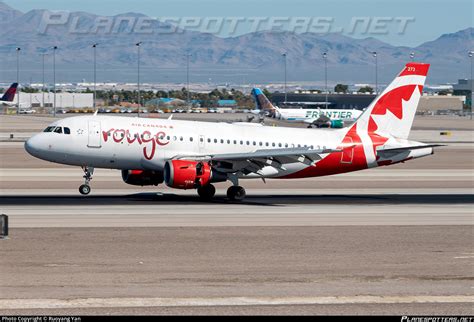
(393, 111)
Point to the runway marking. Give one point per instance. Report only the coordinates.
(465, 256)
(10, 304)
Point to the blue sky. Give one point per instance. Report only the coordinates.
(431, 17)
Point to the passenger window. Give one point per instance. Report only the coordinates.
(248, 142)
(279, 145)
(266, 143)
(260, 143)
(181, 138)
(215, 140)
(208, 140)
(254, 143)
(58, 130)
(191, 139)
(273, 144)
(222, 141)
(67, 130)
(241, 142)
(286, 145)
(228, 141)
(235, 141)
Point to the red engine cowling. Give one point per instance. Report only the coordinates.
(185, 174)
(142, 178)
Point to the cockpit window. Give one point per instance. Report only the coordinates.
(67, 130)
(49, 129)
(58, 129)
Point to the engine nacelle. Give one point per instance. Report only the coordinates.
(142, 177)
(185, 174)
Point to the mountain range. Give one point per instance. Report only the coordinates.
(249, 58)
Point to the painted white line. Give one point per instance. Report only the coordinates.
(463, 257)
(9, 304)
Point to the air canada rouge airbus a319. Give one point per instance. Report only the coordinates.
(194, 155)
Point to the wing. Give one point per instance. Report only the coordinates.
(390, 152)
(255, 161)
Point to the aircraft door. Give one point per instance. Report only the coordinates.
(94, 139)
(348, 150)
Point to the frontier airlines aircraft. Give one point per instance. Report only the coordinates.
(193, 155)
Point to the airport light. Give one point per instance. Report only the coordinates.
(325, 56)
(94, 46)
(138, 44)
(412, 56)
(187, 77)
(284, 60)
(44, 88)
(54, 80)
(471, 53)
(374, 54)
(18, 49)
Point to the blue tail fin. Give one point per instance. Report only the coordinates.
(261, 101)
(9, 95)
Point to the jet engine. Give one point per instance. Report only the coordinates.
(186, 174)
(142, 177)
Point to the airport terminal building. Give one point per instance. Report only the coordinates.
(63, 100)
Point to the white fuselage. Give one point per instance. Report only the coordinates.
(116, 142)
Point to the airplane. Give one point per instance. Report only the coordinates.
(334, 118)
(194, 155)
(9, 96)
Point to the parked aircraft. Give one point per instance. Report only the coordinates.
(334, 118)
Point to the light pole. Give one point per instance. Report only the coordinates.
(412, 56)
(138, 76)
(44, 87)
(187, 77)
(471, 53)
(325, 56)
(284, 61)
(54, 80)
(94, 46)
(376, 73)
(18, 49)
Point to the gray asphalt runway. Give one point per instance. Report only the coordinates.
(393, 240)
(214, 269)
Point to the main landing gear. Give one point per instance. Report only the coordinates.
(85, 189)
(236, 193)
(206, 192)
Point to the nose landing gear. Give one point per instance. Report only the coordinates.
(85, 189)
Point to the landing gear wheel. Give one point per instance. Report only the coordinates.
(84, 189)
(236, 193)
(206, 192)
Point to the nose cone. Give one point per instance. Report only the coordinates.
(33, 146)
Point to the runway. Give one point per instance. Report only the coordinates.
(264, 208)
(391, 240)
